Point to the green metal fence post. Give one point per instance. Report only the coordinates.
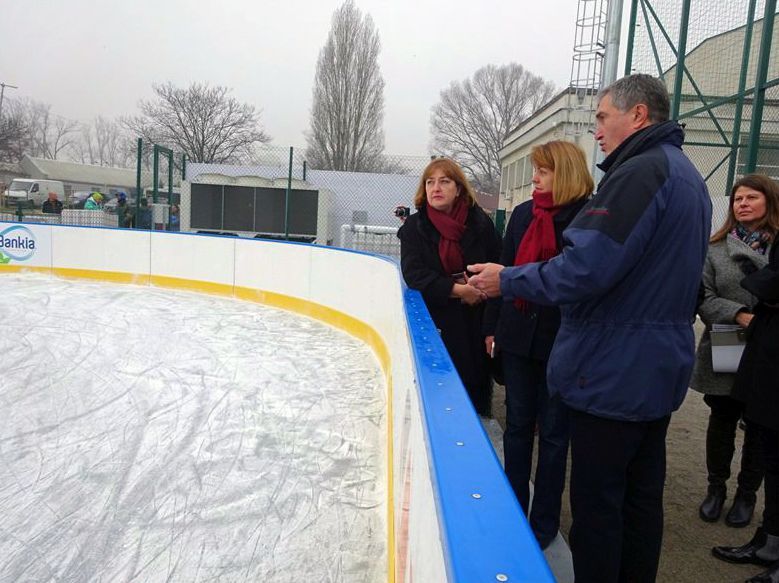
(735, 141)
(760, 81)
(304, 169)
(183, 166)
(631, 37)
(138, 191)
(156, 190)
(170, 183)
(680, 56)
(500, 221)
(286, 199)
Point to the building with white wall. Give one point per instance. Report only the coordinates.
(567, 116)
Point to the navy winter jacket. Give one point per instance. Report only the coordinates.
(627, 281)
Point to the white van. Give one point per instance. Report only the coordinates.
(29, 191)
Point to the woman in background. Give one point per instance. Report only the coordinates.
(739, 248)
(449, 231)
(524, 333)
(757, 386)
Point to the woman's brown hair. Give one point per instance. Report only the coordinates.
(572, 179)
(769, 223)
(451, 170)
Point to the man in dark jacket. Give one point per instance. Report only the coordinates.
(52, 205)
(627, 281)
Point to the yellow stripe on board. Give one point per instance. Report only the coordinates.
(335, 318)
(205, 287)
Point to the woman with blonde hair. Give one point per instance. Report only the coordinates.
(524, 333)
(449, 231)
(737, 249)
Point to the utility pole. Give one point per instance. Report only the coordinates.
(2, 93)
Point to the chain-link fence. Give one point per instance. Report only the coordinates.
(277, 195)
(727, 92)
(280, 196)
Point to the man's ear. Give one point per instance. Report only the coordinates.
(640, 116)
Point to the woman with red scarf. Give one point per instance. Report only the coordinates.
(524, 334)
(449, 231)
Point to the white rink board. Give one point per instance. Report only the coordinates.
(196, 258)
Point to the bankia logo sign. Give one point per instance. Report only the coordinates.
(17, 243)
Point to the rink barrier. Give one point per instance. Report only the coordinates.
(451, 514)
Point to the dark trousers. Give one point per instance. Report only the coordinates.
(528, 404)
(769, 439)
(720, 446)
(617, 480)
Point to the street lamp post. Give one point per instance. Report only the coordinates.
(2, 93)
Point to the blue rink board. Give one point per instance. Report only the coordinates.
(485, 534)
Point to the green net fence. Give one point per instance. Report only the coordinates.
(726, 94)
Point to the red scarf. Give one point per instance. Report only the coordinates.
(539, 242)
(451, 228)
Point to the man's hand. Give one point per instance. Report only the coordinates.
(487, 278)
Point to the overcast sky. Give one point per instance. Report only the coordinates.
(93, 57)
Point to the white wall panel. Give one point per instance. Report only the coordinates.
(128, 251)
(110, 250)
(342, 280)
(273, 267)
(195, 257)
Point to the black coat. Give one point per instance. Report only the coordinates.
(529, 333)
(460, 324)
(757, 380)
(52, 208)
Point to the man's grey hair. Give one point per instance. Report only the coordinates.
(640, 88)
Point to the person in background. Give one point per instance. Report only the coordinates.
(448, 231)
(144, 215)
(524, 333)
(402, 212)
(52, 205)
(124, 214)
(94, 202)
(627, 282)
(174, 222)
(739, 248)
(757, 386)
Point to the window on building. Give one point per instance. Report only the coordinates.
(527, 171)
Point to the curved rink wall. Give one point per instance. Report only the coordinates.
(451, 515)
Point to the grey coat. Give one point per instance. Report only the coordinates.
(724, 298)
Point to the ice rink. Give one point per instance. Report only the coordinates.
(156, 435)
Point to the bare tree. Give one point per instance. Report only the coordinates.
(202, 121)
(14, 135)
(348, 100)
(474, 117)
(104, 142)
(47, 135)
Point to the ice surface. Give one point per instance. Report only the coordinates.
(153, 435)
